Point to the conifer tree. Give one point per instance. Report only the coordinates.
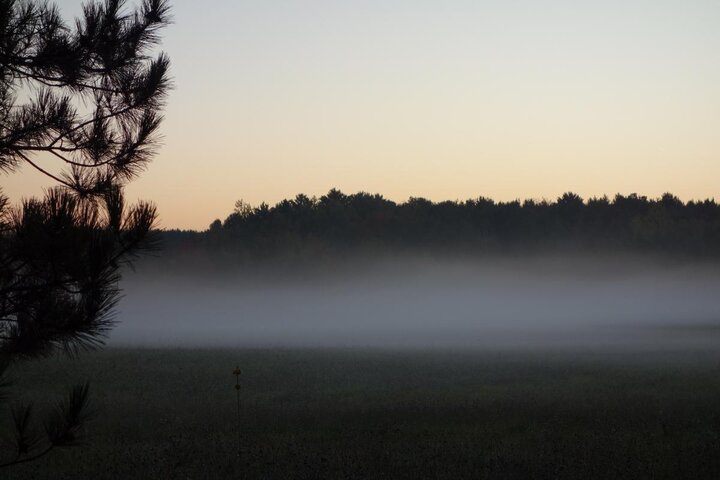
(81, 103)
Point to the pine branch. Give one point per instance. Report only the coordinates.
(42, 170)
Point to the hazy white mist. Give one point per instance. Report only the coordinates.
(541, 303)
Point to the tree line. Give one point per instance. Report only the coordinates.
(337, 222)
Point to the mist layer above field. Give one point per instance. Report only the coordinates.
(499, 303)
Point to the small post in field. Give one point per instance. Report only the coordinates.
(236, 372)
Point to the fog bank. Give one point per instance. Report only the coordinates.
(500, 303)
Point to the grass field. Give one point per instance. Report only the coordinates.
(387, 414)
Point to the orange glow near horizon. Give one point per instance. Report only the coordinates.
(443, 100)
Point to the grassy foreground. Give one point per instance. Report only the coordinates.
(381, 414)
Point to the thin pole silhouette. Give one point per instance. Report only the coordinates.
(236, 372)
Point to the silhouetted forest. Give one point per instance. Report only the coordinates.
(338, 223)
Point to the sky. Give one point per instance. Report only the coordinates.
(449, 99)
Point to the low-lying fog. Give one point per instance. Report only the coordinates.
(541, 302)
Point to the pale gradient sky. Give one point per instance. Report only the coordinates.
(443, 99)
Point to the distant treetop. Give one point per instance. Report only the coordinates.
(337, 221)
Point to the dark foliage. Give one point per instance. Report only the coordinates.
(80, 103)
(60, 258)
(337, 223)
(102, 62)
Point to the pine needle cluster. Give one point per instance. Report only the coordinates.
(81, 103)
